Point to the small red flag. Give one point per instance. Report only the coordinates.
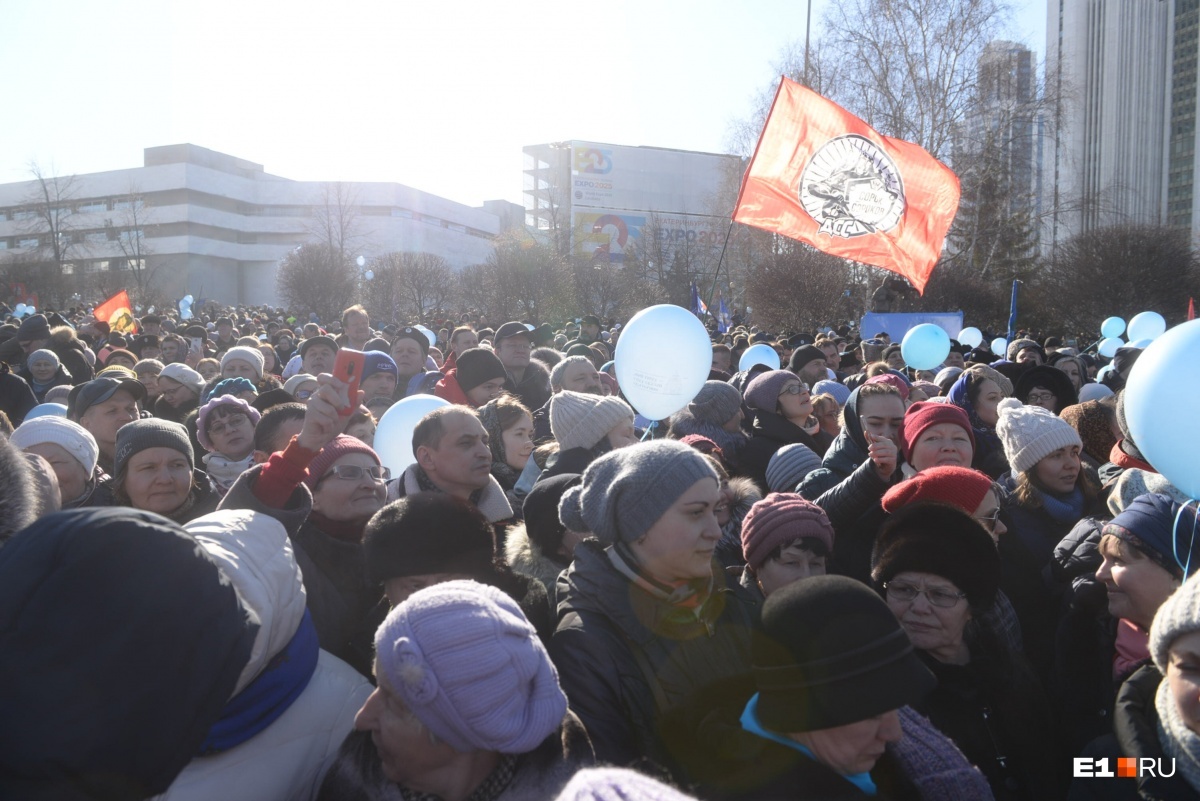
(825, 177)
(1191, 308)
(117, 311)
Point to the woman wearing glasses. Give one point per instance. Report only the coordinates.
(1047, 387)
(940, 573)
(783, 415)
(225, 429)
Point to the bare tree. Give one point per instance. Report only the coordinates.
(127, 229)
(412, 284)
(797, 288)
(317, 278)
(49, 218)
(337, 220)
(531, 281)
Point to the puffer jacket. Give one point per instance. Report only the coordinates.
(732, 444)
(1135, 734)
(287, 759)
(768, 433)
(626, 658)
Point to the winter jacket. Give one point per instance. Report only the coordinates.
(539, 775)
(534, 389)
(848, 451)
(732, 445)
(768, 433)
(165, 411)
(61, 378)
(625, 658)
(854, 511)
(16, 397)
(526, 558)
(492, 502)
(287, 759)
(346, 606)
(1135, 734)
(70, 349)
(541, 425)
(745, 494)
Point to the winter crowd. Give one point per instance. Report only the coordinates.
(840, 579)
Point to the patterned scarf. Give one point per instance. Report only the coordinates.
(491, 788)
(1176, 739)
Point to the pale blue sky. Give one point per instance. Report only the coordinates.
(440, 96)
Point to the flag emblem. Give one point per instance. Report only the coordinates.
(851, 187)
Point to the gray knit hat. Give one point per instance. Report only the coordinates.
(626, 491)
(43, 355)
(1031, 433)
(790, 465)
(151, 433)
(1179, 615)
(579, 420)
(715, 403)
(252, 356)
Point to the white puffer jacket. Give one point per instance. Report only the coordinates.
(287, 760)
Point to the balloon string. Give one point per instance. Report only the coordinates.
(649, 429)
(1191, 544)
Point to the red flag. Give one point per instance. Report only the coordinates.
(1191, 308)
(825, 177)
(117, 311)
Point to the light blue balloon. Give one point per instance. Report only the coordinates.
(663, 358)
(762, 353)
(20, 309)
(47, 410)
(1000, 346)
(1147, 325)
(970, 336)
(393, 435)
(1108, 347)
(925, 346)
(1141, 343)
(1160, 400)
(1112, 328)
(1103, 371)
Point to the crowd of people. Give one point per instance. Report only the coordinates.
(843, 578)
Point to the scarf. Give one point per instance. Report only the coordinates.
(1121, 458)
(224, 471)
(749, 721)
(1063, 508)
(425, 483)
(262, 701)
(344, 530)
(1176, 739)
(490, 789)
(684, 598)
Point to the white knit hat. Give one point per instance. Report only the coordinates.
(578, 420)
(178, 371)
(71, 437)
(247, 354)
(1031, 433)
(1179, 615)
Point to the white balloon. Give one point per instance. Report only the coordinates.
(1108, 347)
(393, 435)
(369, 274)
(432, 337)
(1147, 325)
(999, 346)
(760, 353)
(31, 309)
(663, 358)
(971, 337)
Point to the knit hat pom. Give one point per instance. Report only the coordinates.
(570, 512)
(1009, 405)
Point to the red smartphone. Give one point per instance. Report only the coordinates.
(348, 367)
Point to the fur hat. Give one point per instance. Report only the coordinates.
(580, 420)
(247, 354)
(781, 518)
(1031, 433)
(397, 539)
(465, 660)
(71, 437)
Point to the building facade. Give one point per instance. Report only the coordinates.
(215, 226)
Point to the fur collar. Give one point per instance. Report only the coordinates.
(525, 556)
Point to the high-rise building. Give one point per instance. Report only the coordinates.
(1183, 203)
(1007, 118)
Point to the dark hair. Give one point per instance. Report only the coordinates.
(432, 427)
(811, 544)
(462, 329)
(272, 420)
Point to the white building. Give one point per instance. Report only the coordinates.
(217, 226)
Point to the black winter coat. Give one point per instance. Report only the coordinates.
(16, 398)
(768, 433)
(623, 664)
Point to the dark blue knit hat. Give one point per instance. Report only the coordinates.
(1149, 524)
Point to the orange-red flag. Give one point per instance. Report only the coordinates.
(825, 177)
(117, 311)
(1191, 308)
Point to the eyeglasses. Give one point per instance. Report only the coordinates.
(227, 424)
(352, 472)
(303, 394)
(906, 593)
(794, 389)
(1039, 397)
(989, 521)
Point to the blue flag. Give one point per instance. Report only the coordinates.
(724, 320)
(698, 307)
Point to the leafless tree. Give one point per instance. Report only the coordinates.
(530, 281)
(315, 277)
(409, 284)
(337, 221)
(50, 217)
(127, 229)
(797, 288)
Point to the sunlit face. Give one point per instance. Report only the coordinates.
(518, 443)
(488, 390)
(462, 462)
(622, 435)
(170, 351)
(1029, 356)
(208, 368)
(1183, 678)
(1136, 586)
(934, 629)
(855, 747)
(1040, 396)
(407, 355)
(833, 359)
(954, 359)
(232, 434)
(795, 406)
(378, 385)
(464, 341)
(986, 514)
(42, 370)
(239, 368)
(990, 396)
(149, 380)
(1071, 368)
(941, 444)
(895, 360)
(406, 751)
(177, 394)
(793, 564)
(813, 372)
(350, 499)
(881, 415)
(158, 480)
(582, 377)
(513, 352)
(104, 419)
(679, 546)
(399, 588)
(72, 477)
(1059, 471)
(317, 359)
(357, 327)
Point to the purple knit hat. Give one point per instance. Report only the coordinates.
(207, 409)
(780, 518)
(464, 659)
(618, 784)
(763, 392)
(339, 447)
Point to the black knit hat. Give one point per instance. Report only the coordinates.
(832, 653)
(151, 433)
(428, 532)
(803, 355)
(942, 540)
(540, 510)
(476, 366)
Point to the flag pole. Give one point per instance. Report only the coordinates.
(720, 261)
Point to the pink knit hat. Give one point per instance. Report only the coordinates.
(339, 447)
(207, 409)
(778, 519)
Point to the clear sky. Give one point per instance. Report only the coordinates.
(441, 96)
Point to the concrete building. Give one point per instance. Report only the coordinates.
(598, 200)
(1007, 120)
(217, 226)
(1111, 65)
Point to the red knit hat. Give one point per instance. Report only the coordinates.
(957, 486)
(892, 380)
(339, 447)
(778, 519)
(922, 415)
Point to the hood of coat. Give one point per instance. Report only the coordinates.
(525, 556)
(253, 552)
